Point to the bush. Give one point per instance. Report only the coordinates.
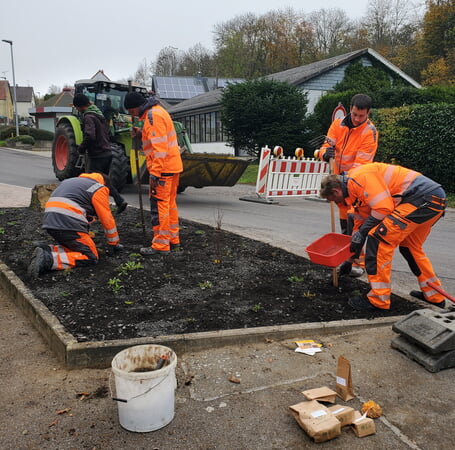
(39, 135)
(264, 112)
(23, 139)
(419, 137)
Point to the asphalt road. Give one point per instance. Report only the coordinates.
(292, 223)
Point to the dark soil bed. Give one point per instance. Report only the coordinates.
(219, 281)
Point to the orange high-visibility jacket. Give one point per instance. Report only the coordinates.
(379, 188)
(75, 199)
(354, 146)
(159, 142)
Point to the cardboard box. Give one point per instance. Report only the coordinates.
(345, 414)
(344, 379)
(363, 426)
(317, 421)
(322, 394)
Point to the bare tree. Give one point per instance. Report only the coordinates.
(53, 89)
(195, 60)
(143, 75)
(391, 23)
(168, 62)
(332, 30)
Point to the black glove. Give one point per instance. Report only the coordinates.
(329, 153)
(345, 268)
(357, 241)
(80, 150)
(117, 248)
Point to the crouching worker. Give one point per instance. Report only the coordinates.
(67, 216)
(400, 206)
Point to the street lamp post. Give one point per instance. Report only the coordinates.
(16, 120)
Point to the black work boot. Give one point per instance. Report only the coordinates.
(41, 262)
(420, 295)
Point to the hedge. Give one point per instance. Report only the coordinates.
(419, 137)
(38, 134)
(384, 98)
(23, 139)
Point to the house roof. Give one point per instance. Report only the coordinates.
(100, 76)
(206, 100)
(65, 98)
(24, 94)
(295, 76)
(299, 75)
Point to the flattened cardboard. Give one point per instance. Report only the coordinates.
(363, 427)
(317, 421)
(322, 394)
(344, 379)
(345, 414)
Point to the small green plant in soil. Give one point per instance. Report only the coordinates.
(205, 285)
(115, 285)
(129, 266)
(256, 308)
(296, 279)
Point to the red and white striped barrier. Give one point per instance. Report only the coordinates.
(286, 177)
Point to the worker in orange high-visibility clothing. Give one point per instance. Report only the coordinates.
(67, 216)
(402, 206)
(164, 164)
(351, 142)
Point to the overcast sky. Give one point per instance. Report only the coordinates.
(59, 42)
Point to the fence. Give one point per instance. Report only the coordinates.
(286, 177)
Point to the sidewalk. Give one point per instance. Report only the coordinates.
(210, 411)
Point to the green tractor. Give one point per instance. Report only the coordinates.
(199, 170)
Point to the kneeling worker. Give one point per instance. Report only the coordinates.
(67, 216)
(400, 206)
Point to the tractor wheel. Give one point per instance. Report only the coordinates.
(120, 167)
(64, 152)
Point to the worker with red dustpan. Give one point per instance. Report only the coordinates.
(351, 141)
(399, 207)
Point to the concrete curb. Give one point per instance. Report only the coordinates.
(99, 354)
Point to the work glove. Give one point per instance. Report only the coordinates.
(329, 153)
(80, 150)
(345, 268)
(357, 241)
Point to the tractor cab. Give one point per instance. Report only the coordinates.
(109, 97)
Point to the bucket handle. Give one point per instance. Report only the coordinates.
(123, 400)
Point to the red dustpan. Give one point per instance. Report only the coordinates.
(330, 250)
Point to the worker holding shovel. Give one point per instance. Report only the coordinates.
(351, 142)
(400, 206)
(164, 164)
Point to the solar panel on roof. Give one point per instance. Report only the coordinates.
(182, 87)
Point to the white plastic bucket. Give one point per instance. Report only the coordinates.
(145, 398)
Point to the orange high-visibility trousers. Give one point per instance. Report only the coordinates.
(407, 227)
(164, 212)
(75, 249)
